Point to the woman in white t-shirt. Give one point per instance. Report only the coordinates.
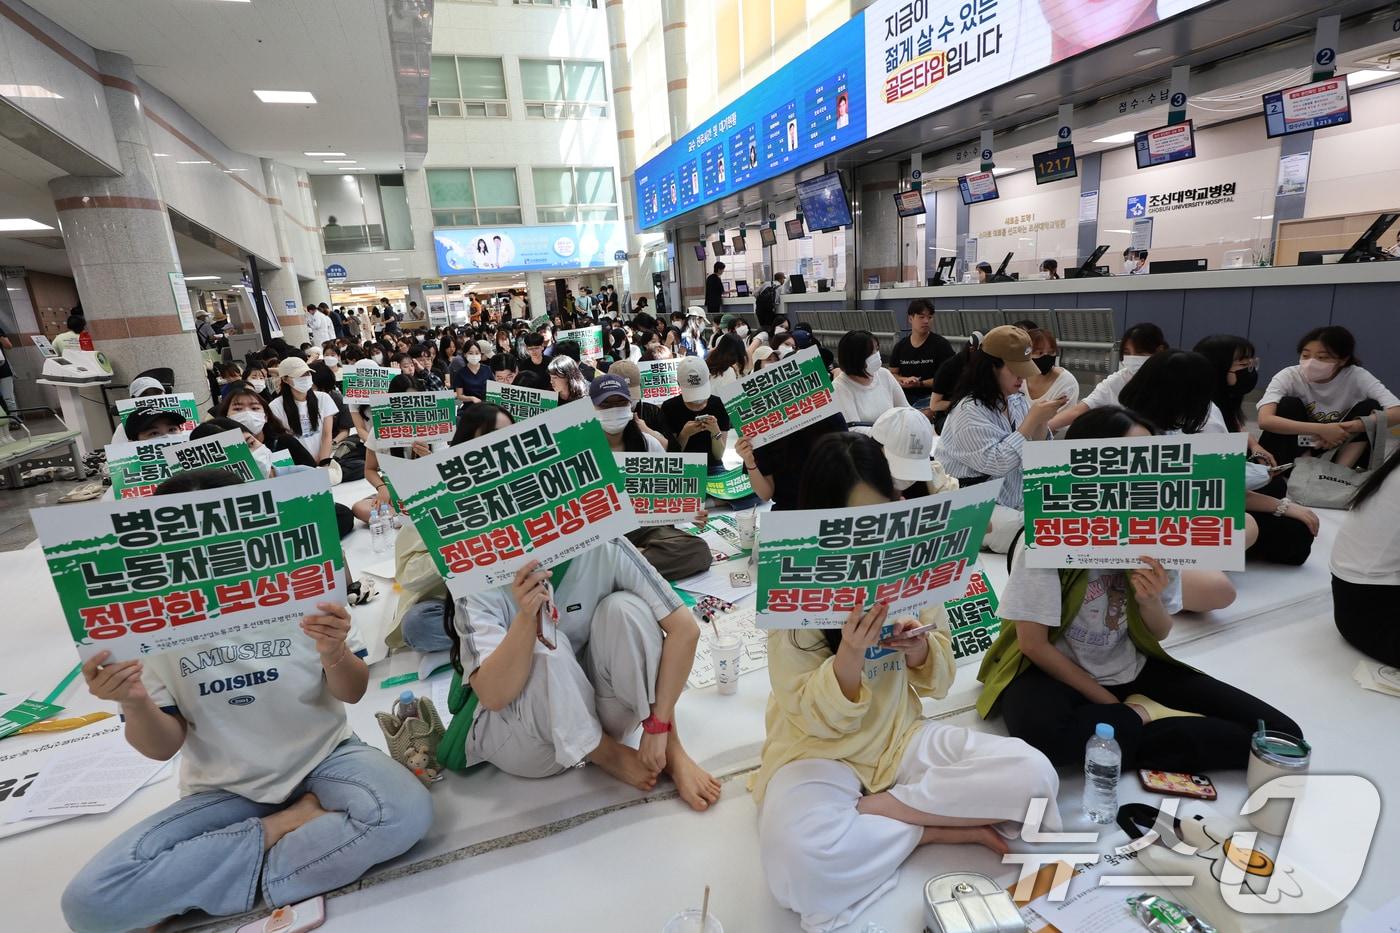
(1053, 380)
(278, 796)
(1319, 404)
(1139, 342)
(1366, 567)
(308, 414)
(864, 390)
(1083, 647)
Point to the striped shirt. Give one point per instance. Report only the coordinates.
(979, 442)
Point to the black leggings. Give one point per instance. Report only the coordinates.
(1058, 720)
(1285, 447)
(1367, 618)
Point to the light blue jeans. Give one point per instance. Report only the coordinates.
(205, 852)
(422, 627)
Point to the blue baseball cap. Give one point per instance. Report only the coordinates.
(609, 386)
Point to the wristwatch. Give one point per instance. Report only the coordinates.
(653, 726)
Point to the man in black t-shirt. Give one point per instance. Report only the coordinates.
(916, 358)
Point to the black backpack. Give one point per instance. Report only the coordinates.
(765, 306)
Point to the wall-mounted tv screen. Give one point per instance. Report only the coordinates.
(909, 203)
(1055, 165)
(700, 251)
(794, 229)
(1165, 144)
(824, 204)
(767, 236)
(1307, 107)
(978, 187)
(738, 243)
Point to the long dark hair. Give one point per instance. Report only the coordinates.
(1338, 341)
(978, 381)
(1374, 481)
(1172, 390)
(852, 350)
(289, 407)
(1223, 350)
(729, 351)
(476, 420)
(1107, 421)
(837, 464)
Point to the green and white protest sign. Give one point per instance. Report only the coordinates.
(729, 485)
(659, 380)
(402, 419)
(1107, 503)
(814, 567)
(521, 402)
(138, 467)
(721, 533)
(538, 321)
(973, 620)
(182, 402)
(359, 382)
(589, 340)
(281, 460)
(224, 451)
(145, 576)
(779, 399)
(546, 489)
(664, 488)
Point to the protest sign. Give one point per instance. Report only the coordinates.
(546, 489)
(779, 399)
(521, 402)
(402, 419)
(589, 340)
(664, 488)
(721, 533)
(659, 380)
(182, 402)
(359, 382)
(814, 567)
(225, 451)
(282, 460)
(137, 468)
(1107, 503)
(972, 619)
(151, 575)
(729, 485)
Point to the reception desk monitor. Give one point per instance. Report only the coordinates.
(824, 204)
(944, 272)
(1088, 268)
(700, 251)
(1165, 144)
(909, 203)
(794, 229)
(738, 241)
(823, 285)
(1177, 265)
(978, 187)
(1367, 247)
(1307, 107)
(1000, 275)
(797, 285)
(741, 288)
(767, 236)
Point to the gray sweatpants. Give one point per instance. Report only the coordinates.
(570, 700)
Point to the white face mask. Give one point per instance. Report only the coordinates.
(473, 358)
(1317, 370)
(872, 363)
(742, 330)
(615, 420)
(1133, 363)
(785, 349)
(257, 385)
(262, 455)
(331, 360)
(378, 359)
(250, 419)
(303, 383)
(780, 329)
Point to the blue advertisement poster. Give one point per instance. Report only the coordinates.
(465, 251)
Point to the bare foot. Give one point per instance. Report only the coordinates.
(695, 784)
(623, 763)
(276, 825)
(962, 835)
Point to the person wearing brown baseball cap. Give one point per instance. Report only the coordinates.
(992, 419)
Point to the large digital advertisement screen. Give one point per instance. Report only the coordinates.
(471, 250)
(891, 63)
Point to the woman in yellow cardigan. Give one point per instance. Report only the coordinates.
(853, 777)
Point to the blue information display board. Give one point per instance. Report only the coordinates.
(811, 107)
(464, 251)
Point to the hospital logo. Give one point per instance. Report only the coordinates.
(1137, 206)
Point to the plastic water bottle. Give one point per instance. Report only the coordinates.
(1103, 761)
(406, 707)
(379, 528)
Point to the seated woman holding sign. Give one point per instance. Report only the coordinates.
(278, 797)
(853, 777)
(248, 407)
(1081, 647)
(364, 508)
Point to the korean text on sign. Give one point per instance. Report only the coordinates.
(659, 381)
(1107, 503)
(973, 621)
(589, 340)
(183, 402)
(778, 400)
(815, 567)
(664, 488)
(224, 451)
(359, 382)
(137, 468)
(545, 489)
(402, 419)
(144, 576)
(521, 402)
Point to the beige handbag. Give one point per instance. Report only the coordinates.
(1318, 482)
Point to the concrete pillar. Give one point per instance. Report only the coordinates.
(281, 283)
(534, 290)
(315, 290)
(673, 45)
(415, 293)
(878, 244)
(122, 249)
(620, 63)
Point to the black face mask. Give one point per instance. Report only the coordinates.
(1045, 364)
(1245, 381)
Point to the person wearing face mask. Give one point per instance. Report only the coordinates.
(308, 413)
(1138, 343)
(692, 338)
(1319, 404)
(1052, 380)
(256, 379)
(470, 381)
(732, 323)
(863, 390)
(248, 408)
(262, 454)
